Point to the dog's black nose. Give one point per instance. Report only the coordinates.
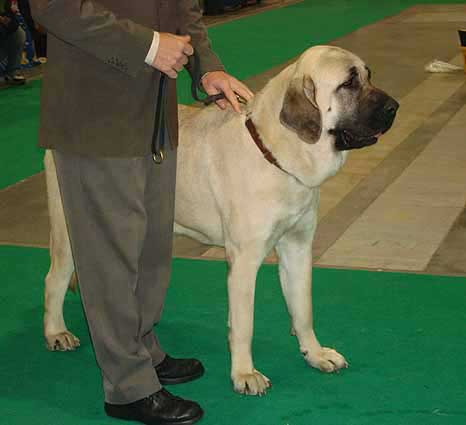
(390, 108)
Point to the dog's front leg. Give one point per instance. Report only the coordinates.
(241, 287)
(295, 262)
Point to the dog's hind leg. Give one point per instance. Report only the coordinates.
(56, 334)
(244, 264)
(295, 264)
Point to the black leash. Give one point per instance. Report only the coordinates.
(159, 136)
(208, 100)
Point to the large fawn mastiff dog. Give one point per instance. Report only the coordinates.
(250, 183)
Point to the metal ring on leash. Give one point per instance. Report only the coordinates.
(158, 157)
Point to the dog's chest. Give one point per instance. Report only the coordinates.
(298, 204)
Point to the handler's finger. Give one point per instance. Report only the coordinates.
(242, 90)
(222, 104)
(186, 46)
(188, 49)
(231, 97)
(171, 73)
(178, 66)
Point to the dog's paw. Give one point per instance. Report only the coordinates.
(63, 341)
(251, 383)
(326, 359)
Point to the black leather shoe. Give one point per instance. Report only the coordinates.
(177, 371)
(161, 408)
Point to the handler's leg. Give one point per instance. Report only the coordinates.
(155, 268)
(103, 201)
(156, 256)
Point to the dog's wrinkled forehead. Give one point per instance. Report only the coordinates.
(329, 64)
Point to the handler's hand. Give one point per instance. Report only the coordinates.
(220, 82)
(172, 53)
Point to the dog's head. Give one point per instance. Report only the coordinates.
(331, 91)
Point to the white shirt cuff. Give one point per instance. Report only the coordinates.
(153, 49)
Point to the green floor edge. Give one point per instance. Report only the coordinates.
(247, 46)
(403, 335)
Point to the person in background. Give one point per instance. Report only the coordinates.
(12, 39)
(38, 33)
(34, 47)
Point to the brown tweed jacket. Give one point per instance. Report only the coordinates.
(98, 95)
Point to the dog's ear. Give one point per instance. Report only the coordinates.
(300, 112)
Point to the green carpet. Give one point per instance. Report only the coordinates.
(19, 123)
(404, 336)
(247, 46)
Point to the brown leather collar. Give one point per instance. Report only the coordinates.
(267, 154)
(260, 144)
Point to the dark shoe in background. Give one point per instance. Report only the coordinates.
(160, 408)
(14, 79)
(178, 371)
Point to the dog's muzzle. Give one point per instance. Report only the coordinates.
(383, 119)
(345, 141)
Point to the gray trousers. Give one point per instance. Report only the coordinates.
(120, 214)
(11, 49)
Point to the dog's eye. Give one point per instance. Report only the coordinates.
(350, 83)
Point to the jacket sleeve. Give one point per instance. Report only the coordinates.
(92, 28)
(191, 24)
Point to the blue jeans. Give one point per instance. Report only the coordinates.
(11, 49)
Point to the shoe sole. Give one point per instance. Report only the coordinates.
(181, 380)
(133, 418)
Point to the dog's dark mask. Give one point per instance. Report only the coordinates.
(368, 114)
(345, 141)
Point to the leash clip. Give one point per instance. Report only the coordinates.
(158, 157)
